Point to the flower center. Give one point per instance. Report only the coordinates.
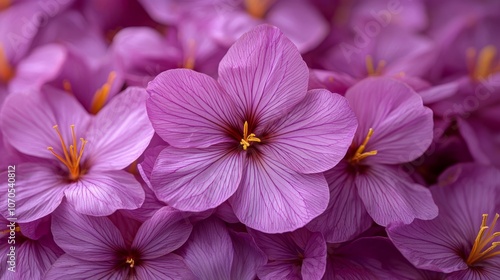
(130, 261)
(247, 138)
(484, 247)
(372, 71)
(360, 153)
(4, 4)
(72, 155)
(485, 64)
(6, 71)
(101, 95)
(257, 8)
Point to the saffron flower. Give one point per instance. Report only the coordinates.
(88, 173)
(463, 241)
(394, 128)
(96, 248)
(216, 252)
(256, 136)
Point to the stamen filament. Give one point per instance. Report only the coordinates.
(360, 153)
(479, 250)
(189, 62)
(72, 156)
(6, 71)
(482, 65)
(370, 66)
(101, 95)
(257, 8)
(247, 138)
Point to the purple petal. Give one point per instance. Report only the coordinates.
(209, 253)
(279, 270)
(40, 67)
(273, 198)
(248, 258)
(346, 216)
(120, 132)
(264, 74)
(402, 125)
(197, 179)
(314, 264)
(390, 196)
(165, 232)
(315, 135)
(86, 237)
(38, 192)
(102, 193)
(145, 168)
(68, 267)
(27, 119)
(190, 109)
(279, 247)
(169, 267)
(35, 258)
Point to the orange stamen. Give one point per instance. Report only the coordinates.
(247, 138)
(485, 64)
(360, 154)
(4, 4)
(190, 60)
(258, 8)
(6, 71)
(130, 261)
(372, 71)
(101, 95)
(72, 156)
(484, 238)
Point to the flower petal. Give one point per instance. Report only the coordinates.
(346, 216)
(264, 74)
(314, 264)
(197, 179)
(390, 196)
(165, 232)
(209, 252)
(38, 192)
(273, 198)
(35, 258)
(27, 119)
(315, 135)
(248, 258)
(86, 237)
(403, 127)
(279, 270)
(120, 132)
(68, 267)
(190, 109)
(169, 267)
(102, 193)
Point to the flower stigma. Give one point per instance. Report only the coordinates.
(6, 71)
(257, 8)
(484, 238)
(101, 95)
(4, 4)
(72, 155)
(360, 153)
(372, 71)
(130, 261)
(485, 64)
(247, 138)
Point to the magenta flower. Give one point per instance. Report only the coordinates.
(463, 241)
(214, 252)
(255, 135)
(394, 128)
(295, 255)
(96, 248)
(88, 173)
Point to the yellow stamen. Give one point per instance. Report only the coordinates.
(484, 238)
(101, 95)
(130, 261)
(360, 154)
(7, 231)
(247, 138)
(372, 71)
(485, 64)
(72, 156)
(258, 8)
(189, 62)
(67, 86)
(4, 4)
(6, 71)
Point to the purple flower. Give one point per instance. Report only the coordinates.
(87, 172)
(464, 239)
(255, 135)
(394, 128)
(295, 255)
(95, 248)
(214, 252)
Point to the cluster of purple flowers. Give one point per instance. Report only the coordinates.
(249, 139)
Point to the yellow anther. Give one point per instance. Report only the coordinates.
(247, 138)
(72, 156)
(130, 261)
(485, 246)
(360, 153)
